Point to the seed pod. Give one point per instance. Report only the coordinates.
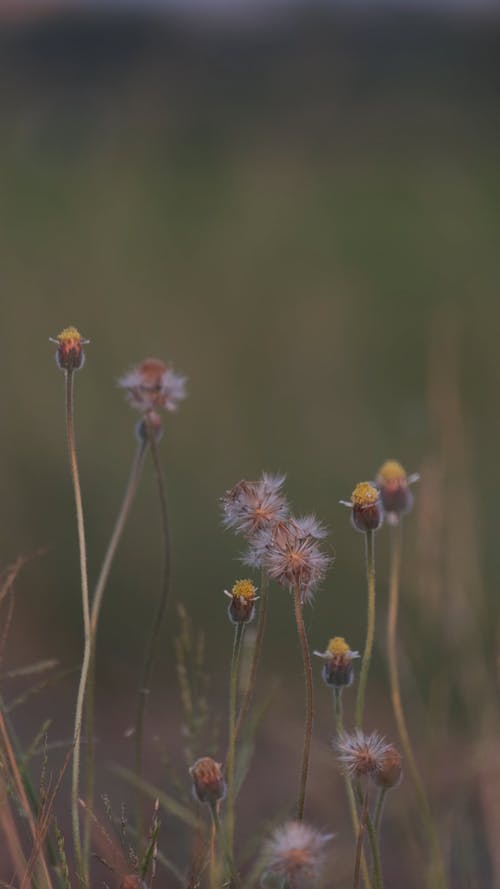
(209, 785)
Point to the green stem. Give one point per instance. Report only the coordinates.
(339, 724)
(439, 879)
(377, 867)
(157, 622)
(377, 817)
(83, 870)
(234, 879)
(130, 492)
(233, 688)
(261, 625)
(370, 628)
(299, 617)
(359, 844)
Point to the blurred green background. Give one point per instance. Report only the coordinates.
(302, 214)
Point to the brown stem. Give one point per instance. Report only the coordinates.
(359, 845)
(299, 617)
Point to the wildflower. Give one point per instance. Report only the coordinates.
(209, 785)
(366, 505)
(153, 384)
(296, 854)
(69, 355)
(338, 670)
(361, 755)
(250, 507)
(293, 558)
(242, 605)
(394, 486)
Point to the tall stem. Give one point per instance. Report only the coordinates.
(359, 845)
(370, 627)
(339, 724)
(157, 621)
(377, 817)
(261, 626)
(439, 878)
(233, 688)
(299, 617)
(130, 492)
(69, 378)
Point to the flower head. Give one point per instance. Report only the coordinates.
(389, 771)
(242, 605)
(366, 505)
(292, 557)
(394, 486)
(252, 507)
(209, 785)
(153, 384)
(69, 355)
(361, 756)
(337, 668)
(296, 854)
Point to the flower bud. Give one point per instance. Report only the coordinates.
(394, 485)
(242, 605)
(337, 670)
(388, 772)
(209, 785)
(69, 355)
(367, 510)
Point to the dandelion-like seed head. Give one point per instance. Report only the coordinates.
(243, 596)
(153, 384)
(394, 485)
(69, 354)
(337, 669)
(361, 755)
(251, 507)
(296, 854)
(366, 505)
(209, 785)
(294, 558)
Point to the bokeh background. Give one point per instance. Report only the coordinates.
(299, 207)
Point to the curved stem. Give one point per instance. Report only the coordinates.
(234, 879)
(370, 628)
(233, 687)
(261, 625)
(397, 706)
(339, 724)
(299, 617)
(69, 377)
(130, 492)
(157, 621)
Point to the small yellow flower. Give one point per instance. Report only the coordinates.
(70, 355)
(394, 485)
(338, 647)
(242, 605)
(366, 505)
(365, 494)
(337, 669)
(391, 471)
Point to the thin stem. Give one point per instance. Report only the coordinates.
(233, 687)
(261, 626)
(339, 723)
(359, 845)
(370, 628)
(234, 879)
(299, 617)
(377, 867)
(157, 621)
(86, 625)
(379, 808)
(404, 737)
(23, 802)
(130, 492)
